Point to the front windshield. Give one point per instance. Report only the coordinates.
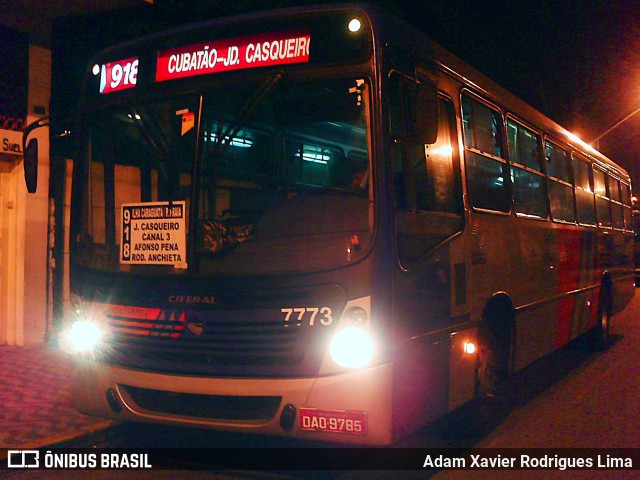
(265, 177)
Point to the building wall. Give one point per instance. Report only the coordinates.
(36, 317)
(23, 216)
(10, 245)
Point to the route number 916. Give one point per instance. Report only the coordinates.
(297, 316)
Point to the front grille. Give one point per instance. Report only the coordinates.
(204, 406)
(154, 322)
(216, 341)
(230, 343)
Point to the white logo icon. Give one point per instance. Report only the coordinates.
(23, 458)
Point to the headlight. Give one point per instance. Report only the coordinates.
(352, 348)
(81, 337)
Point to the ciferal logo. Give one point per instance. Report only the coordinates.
(196, 299)
(23, 459)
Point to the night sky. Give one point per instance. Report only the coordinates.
(576, 61)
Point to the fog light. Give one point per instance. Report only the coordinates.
(288, 416)
(112, 400)
(357, 316)
(352, 348)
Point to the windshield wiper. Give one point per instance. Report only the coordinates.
(157, 145)
(156, 141)
(224, 139)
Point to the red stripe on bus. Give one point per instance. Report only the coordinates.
(139, 313)
(117, 323)
(570, 252)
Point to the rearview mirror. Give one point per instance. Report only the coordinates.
(31, 154)
(425, 127)
(413, 110)
(31, 165)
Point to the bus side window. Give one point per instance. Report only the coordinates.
(601, 189)
(584, 192)
(487, 180)
(628, 208)
(529, 193)
(617, 209)
(560, 183)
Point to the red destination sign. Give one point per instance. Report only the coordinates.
(119, 75)
(233, 54)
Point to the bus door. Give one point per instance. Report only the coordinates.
(430, 283)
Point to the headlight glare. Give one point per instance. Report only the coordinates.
(82, 336)
(352, 348)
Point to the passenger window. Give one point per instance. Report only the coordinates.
(560, 186)
(617, 210)
(487, 181)
(524, 146)
(483, 127)
(626, 202)
(558, 162)
(584, 192)
(529, 193)
(600, 187)
(599, 183)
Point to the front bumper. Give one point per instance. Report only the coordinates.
(237, 404)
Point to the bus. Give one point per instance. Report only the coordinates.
(317, 223)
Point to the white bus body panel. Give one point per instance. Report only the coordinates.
(367, 390)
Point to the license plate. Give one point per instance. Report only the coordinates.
(334, 421)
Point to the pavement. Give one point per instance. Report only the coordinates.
(36, 403)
